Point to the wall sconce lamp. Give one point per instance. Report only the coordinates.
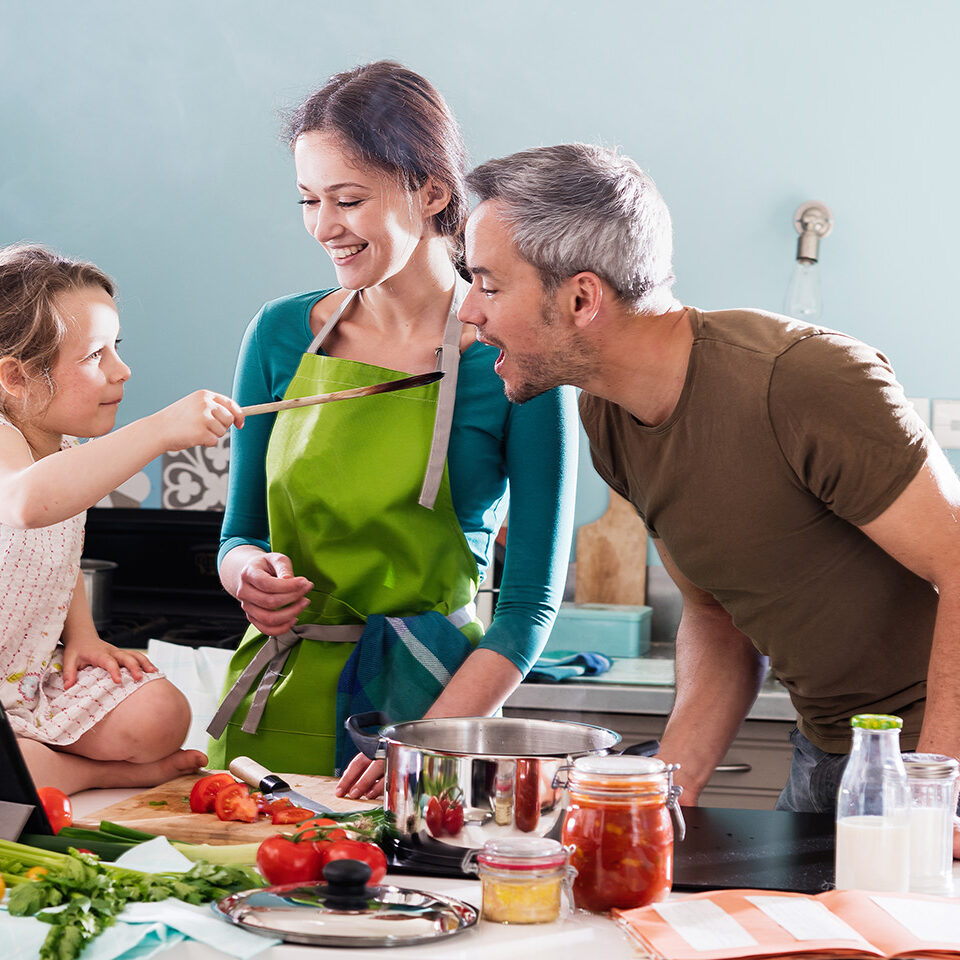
(813, 221)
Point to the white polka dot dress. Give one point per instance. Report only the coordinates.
(38, 573)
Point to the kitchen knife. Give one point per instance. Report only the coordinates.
(272, 786)
(388, 386)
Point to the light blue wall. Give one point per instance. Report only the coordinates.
(144, 137)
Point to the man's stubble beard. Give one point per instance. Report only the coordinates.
(566, 363)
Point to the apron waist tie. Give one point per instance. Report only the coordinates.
(273, 655)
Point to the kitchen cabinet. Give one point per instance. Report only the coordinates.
(751, 775)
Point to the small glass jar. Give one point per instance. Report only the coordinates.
(618, 824)
(932, 780)
(522, 879)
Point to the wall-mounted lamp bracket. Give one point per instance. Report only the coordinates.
(813, 221)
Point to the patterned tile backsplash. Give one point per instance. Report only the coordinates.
(196, 478)
(193, 479)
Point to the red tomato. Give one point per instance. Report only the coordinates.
(368, 853)
(282, 860)
(453, 819)
(205, 790)
(283, 803)
(323, 848)
(291, 815)
(324, 829)
(235, 803)
(434, 817)
(56, 805)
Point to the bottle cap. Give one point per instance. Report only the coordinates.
(876, 721)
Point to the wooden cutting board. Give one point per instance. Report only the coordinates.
(165, 810)
(612, 557)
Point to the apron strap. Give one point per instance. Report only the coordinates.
(272, 656)
(332, 321)
(448, 360)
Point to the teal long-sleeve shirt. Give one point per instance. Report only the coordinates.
(500, 454)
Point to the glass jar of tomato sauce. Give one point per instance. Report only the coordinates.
(618, 824)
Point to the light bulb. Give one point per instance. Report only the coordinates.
(813, 221)
(803, 294)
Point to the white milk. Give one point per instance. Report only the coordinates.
(873, 854)
(931, 850)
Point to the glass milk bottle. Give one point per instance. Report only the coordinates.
(873, 809)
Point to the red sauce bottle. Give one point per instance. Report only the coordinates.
(618, 824)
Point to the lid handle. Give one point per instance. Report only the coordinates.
(347, 884)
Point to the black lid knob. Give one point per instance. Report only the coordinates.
(347, 884)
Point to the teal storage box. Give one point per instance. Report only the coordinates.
(614, 629)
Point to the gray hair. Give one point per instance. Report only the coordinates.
(575, 207)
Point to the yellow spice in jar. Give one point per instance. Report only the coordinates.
(528, 901)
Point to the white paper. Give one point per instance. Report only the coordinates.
(154, 856)
(704, 925)
(805, 919)
(925, 919)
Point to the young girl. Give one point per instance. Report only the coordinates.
(84, 712)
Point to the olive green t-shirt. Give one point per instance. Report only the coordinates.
(785, 438)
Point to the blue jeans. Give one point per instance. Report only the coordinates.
(814, 778)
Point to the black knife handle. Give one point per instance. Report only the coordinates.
(273, 782)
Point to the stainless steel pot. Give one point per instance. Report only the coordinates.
(98, 582)
(498, 774)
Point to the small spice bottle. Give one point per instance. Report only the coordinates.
(932, 780)
(618, 824)
(522, 879)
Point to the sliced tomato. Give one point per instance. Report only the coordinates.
(283, 803)
(235, 803)
(204, 791)
(57, 807)
(291, 815)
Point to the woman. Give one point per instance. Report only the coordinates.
(356, 532)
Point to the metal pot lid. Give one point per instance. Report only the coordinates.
(343, 912)
(502, 737)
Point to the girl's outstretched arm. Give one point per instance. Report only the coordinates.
(56, 487)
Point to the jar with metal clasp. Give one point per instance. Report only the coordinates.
(522, 878)
(618, 825)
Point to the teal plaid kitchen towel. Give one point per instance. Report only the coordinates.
(398, 667)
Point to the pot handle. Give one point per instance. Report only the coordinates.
(367, 744)
(645, 749)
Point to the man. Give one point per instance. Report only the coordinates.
(799, 503)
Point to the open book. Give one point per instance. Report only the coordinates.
(726, 924)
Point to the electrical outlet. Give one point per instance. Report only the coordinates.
(922, 406)
(946, 423)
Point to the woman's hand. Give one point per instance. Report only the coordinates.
(363, 778)
(270, 595)
(91, 651)
(199, 419)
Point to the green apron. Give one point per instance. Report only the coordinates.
(358, 497)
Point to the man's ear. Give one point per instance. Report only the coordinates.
(435, 197)
(13, 381)
(584, 295)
